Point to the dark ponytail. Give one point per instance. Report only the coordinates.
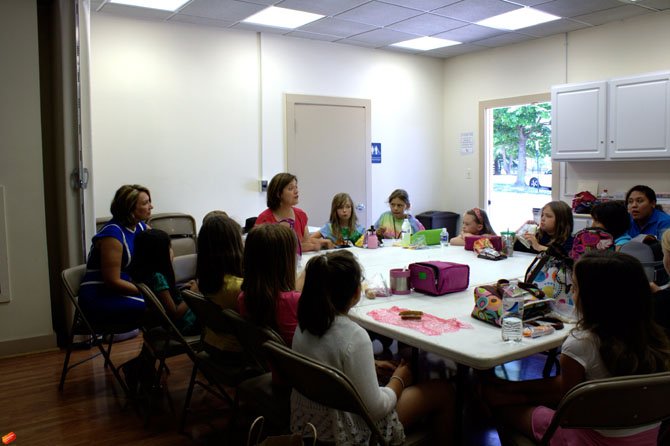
(331, 283)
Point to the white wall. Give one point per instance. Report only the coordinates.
(28, 315)
(627, 47)
(187, 111)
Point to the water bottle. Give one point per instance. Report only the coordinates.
(373, 242)
(444, 237)
(512, 317)
(406, 233)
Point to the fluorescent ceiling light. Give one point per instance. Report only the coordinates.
(517, 19)
(425, 43)
(282, 17)
(166, 5)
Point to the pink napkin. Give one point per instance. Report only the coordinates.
(428, 324)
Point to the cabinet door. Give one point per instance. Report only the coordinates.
(639, 117)
(578, 119)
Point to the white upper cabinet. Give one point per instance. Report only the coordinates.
(627, 118)
(639, 117)
(578, 121)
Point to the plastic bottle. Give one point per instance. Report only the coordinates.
(512, 317)
(373, 242)
(604, 196)
(444, 237)
(406, 233)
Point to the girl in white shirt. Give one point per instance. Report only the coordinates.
(325, 333)
(615, 336)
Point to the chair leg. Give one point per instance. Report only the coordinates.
(109, 349)
(65, 363)
(187, 401)
(552, 358)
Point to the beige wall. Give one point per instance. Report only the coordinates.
(28, 316)
(197, 113)
(623, 48)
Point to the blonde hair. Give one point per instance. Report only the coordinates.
(665, 240)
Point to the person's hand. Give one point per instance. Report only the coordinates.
(654, 288)
(404, 372)
(381, 232)
(326, 243)
(385, 367)
(192, 285)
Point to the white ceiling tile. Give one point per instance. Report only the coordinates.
(469, 33)
(612, 15)
(336, 27)
(381, 37)
(229, 10)
(427, 25)
(476, 10)
(378, 13)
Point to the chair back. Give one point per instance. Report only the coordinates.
(71, 278)
(159, 330)
(252, 337)
(208, 313)
(181, 229)
(184, 267)
(638, 400)
(319, 382)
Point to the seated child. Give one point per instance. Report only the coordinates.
(596, 348)
(555, 229)
(343, 227)
(332, 287)
(269, 297)
(612, 216)
(475, 222)
(389, 224)
(152, 265)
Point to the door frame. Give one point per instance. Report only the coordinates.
(484, 137)
(291, 100)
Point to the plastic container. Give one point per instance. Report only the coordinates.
(399, 280)
(444, 237)
(440, 219)
(406, 233)
(508, 243)
(373, 241)
(512, 316)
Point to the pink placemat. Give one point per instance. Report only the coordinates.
(428, 324)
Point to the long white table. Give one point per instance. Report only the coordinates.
(479, 347)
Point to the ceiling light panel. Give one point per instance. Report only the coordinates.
(165, 5)
(282, 17)
(518, 19)
(425, 43)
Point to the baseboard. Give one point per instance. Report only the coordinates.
(18, 347)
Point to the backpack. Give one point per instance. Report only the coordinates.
(591, 239)
(551, 272)
(583, 202)
(647, 249)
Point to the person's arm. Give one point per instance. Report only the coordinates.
(359, 366)
(168, 303)
(415, 224)
(459, 240)
(535, 243)
(111, 257)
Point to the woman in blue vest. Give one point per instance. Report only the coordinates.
(107, 293)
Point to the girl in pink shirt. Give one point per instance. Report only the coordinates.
(268, 296)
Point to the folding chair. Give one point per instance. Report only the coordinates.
(180, 228)
(320, 383)
(270, 399)
(71, 278)
(613, 403)
(162, 340)
(184, 267)
(216, 373)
